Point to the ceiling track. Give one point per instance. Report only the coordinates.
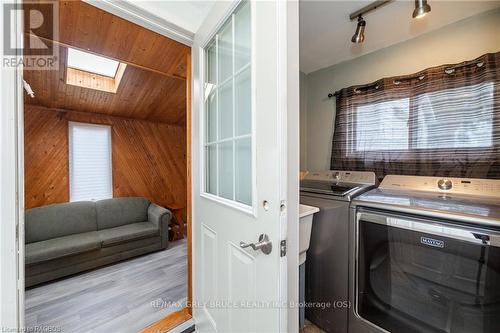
(374, 5)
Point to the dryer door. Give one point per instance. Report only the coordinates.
(416, 275)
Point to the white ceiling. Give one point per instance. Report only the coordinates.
(326, 31)
(186, 14)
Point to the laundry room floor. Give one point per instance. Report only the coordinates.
(311, 328)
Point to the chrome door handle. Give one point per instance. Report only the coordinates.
(264, 244)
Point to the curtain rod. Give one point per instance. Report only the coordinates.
(398, 80)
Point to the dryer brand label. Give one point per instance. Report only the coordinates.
(432, 242)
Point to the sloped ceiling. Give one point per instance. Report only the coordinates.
(154, 83)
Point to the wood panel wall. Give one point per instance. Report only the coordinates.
(149, 159)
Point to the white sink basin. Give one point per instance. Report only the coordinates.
(306, 214)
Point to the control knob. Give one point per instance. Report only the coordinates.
(445, 184)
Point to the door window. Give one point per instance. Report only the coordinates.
(228, 110)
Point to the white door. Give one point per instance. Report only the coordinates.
(240, 168)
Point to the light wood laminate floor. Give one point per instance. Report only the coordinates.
(123, 297)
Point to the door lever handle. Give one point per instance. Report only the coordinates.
(264, 244)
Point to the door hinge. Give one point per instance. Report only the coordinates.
(28, 89)
(283, 248)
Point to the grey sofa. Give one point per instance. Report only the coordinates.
(68, 238)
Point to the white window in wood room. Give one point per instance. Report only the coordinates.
(90, 162)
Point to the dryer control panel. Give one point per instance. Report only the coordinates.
(469, 186)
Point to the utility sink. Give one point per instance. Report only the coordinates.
(306, 214)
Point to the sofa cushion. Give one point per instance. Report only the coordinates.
(62, 247)
(59, 220)
(120, 211)
(124, 233)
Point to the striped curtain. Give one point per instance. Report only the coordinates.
(442, 121)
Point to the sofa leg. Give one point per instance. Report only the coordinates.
(176, 228)
(175, 232)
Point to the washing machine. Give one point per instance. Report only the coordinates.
(326, 267)
(425, 256)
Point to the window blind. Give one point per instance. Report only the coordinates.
(90, 162)
(442, 121)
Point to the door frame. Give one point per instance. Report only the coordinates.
(12, 174)
(12, 180)
(178, 317)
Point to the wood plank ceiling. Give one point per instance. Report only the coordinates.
(154, 83)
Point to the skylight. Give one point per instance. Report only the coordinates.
(92, 63)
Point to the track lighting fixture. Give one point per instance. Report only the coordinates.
(421, 8)
(359, 35)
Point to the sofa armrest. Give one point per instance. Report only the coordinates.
(161, 218)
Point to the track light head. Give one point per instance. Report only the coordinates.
(359, 35)
(421, 8)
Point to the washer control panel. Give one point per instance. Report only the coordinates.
(469, 186)
(355, 177)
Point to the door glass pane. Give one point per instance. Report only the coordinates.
(243, 171)
(242, 39)
(228, 106)
(243, 103)
(226, 170)
(226, 110)
(212, 118)
(225, 52)
(211, 152)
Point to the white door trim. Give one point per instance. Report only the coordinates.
(289, 106)
(281, 132)
(12, 190)
(128, 11)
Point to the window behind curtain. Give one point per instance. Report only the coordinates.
(90, 162)
(441, 121)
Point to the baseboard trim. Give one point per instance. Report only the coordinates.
(169, 322)
(185, 327)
